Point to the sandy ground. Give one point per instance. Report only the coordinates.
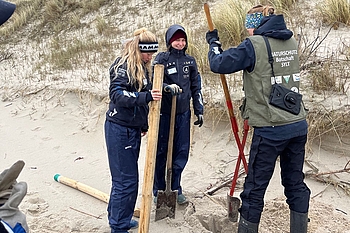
(65, 135)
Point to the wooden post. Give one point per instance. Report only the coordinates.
(147, 187)
(88, 190)
(82, 187)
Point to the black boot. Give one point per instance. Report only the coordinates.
(298, 222)
(247, 227)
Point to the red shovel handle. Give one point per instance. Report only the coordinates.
(233, 120)
(223, 79)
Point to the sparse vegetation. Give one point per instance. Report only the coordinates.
(228, 18)
(335, 11)
(72, 35)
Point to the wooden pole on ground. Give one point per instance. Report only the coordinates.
(147, 187)
(87, 189)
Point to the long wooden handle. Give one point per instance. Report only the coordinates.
(222, 76)
(227, 96)
(82, 187)
(171, 143)
(88, 190)
(207, 14)
(147, 188)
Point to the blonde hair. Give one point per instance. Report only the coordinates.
(266, 10)
(132, 55)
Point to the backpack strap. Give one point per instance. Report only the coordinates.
(268, 47)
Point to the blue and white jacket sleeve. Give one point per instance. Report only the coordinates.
(231, 60)
(122, 93)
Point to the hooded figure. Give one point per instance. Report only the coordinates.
(173, 33)
(6, 10)
(181, 78)
(277, 132)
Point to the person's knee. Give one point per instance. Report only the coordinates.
(298, 200)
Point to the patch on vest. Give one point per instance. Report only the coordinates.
(296, 77)
(286, 78)
(277, 79)
(295, 89)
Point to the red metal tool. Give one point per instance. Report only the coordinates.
(233, 202)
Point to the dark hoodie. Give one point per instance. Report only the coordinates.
(128, 106)
(181, 69)
(243, 56)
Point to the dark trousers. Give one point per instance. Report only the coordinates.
(181, 148)
(262, 159)
(123, 147)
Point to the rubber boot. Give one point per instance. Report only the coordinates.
(298, 222)
(247, 227)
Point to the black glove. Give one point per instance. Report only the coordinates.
(199, 120)
(149, 97)
(212, 36)
(173, 88)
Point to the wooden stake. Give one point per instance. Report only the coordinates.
(154, 117)
(87, 189)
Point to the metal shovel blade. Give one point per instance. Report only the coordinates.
(233, 205)
(166, 204)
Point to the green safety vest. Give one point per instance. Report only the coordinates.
(257, 84)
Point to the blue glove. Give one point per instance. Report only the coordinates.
(173, 88)
(199, 120)
(212, 36)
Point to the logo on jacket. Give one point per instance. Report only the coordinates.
(129, 94)
(121, 72)
(186, 69)
(111, 114)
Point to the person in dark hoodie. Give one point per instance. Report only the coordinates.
(181, 78)
(277, 132)
(126, 122)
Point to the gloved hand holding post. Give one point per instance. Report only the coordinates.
(212, 36)
(173, 88)
(199, 120)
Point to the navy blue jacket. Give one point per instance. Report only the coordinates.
(181, 69)
(128, 106)
(243, 58)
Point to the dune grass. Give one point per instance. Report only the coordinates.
(61, 21)
(335, 11)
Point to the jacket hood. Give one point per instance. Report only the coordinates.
(274, 26)
(171, 31)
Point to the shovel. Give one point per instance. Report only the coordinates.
(233, 202)
(166, 200)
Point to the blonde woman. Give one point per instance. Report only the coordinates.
(126, 121)
(269, 59)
